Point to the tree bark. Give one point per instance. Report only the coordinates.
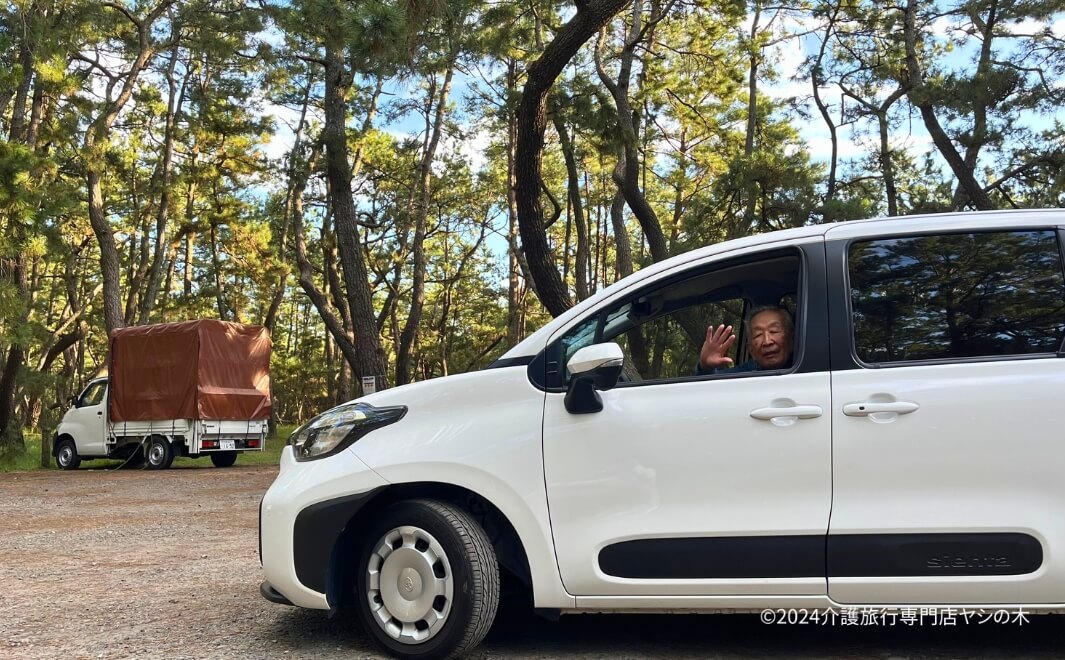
(978, 137)
(14, 268)
(919, 97)
(414, 316)
(94, 147)
(165, 177)
(816, 81)
(629, 132)
(515, 293)
(750, 185)
(532, 123)
(367, 358)
(573, 188)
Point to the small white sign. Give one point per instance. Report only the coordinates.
(369, 384)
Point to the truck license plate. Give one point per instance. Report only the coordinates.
(228, 444)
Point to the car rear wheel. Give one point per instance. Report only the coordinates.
(428, 580)
(66, 455)
(223, 458)
(159, 454)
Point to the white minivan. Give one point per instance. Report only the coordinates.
(637, 454)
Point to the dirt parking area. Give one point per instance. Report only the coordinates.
(138, 564)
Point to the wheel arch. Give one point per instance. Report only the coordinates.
(506, 543)
(59, 439)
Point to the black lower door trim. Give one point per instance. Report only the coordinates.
(919, 555)
(716, 557)
(814, 555)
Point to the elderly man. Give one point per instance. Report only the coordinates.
(770, 340)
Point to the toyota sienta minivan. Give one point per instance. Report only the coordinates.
(903, 451)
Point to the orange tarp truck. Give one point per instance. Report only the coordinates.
(174, 389)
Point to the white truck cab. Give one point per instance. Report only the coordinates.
(642, 452)
(86, 433)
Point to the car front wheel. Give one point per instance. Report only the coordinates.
(66, 455)
(428, 581)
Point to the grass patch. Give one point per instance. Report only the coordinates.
(31, 458)
(27, 460)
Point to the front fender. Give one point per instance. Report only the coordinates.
(481, 432)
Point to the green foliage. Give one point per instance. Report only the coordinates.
(241, 71)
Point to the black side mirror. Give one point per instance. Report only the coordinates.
(592, 368)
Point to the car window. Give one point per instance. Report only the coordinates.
(668, 346)
(93, 395)
(661, 329)
(957, 296)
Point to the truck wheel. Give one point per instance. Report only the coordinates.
(66, 455)
(159, 454)
(428, 580)
(224, 458)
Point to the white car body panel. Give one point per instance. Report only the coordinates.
(683, 460)
(480, 431)
(944, 222)
(299, 485)
(983, 453)
(87, 426)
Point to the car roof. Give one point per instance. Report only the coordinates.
(535, 342)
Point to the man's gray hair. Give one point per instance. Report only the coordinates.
(789, 323)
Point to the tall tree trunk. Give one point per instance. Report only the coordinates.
(366, 358)
(573, 187)
(622, 244)
(887, 168)
(750, 185)
(629, 132)
(94, 147)
(515, 294)
(14, 267)
(978, 137)
(532, 123)
(164, 180)
(816, 80)
(919, 96)
(425, 171)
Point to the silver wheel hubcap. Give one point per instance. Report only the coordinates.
(156, 454)
(64, 456)
(410, 585)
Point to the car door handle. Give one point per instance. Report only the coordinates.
(866, 408)
(800, 411)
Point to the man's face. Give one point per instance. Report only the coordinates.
(770, 342)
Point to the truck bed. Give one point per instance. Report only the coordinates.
(194, 432)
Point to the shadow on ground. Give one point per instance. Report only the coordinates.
(519, 633)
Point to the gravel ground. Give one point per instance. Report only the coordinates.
(136, 564)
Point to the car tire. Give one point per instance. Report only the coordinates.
(159, 453)
(223, 458)
(427, 581)
(66, 455)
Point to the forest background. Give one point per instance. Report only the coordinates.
(406, 189)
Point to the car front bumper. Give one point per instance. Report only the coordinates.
(301, 516)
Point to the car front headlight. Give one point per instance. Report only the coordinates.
(336, 429)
